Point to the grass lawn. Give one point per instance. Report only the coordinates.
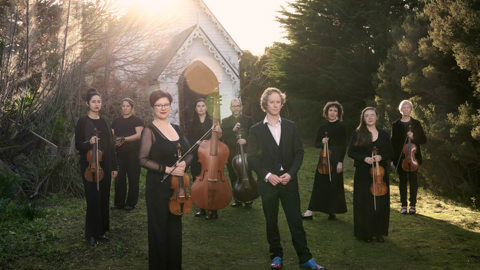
(443, 235)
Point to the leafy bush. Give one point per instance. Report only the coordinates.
(451, 161)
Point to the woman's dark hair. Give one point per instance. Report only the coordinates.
(158, 94)
(91, 93)
(364, 137)
(333, 104)
(196, 118)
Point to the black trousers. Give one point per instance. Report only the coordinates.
(128, 166)
(289, 197)
(408, 177)
(97, 218)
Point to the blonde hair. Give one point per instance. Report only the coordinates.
(267, 92)
(405, 101)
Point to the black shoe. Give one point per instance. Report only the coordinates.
(116, 207)
(332, 217)
(200, 213)
(212, 215)
(92, 241)
(248, 205)
(307, 217)
(380, 239)
(236, 204)
(103, 237)
(128, 208)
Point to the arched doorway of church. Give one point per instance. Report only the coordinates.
(197, 81)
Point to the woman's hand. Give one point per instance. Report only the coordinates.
(94, 139)
(339, 167)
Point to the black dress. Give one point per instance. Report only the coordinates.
(195, 132)
(367, 221)
(164, 228)
(329, 197)
(97, 216)
(127, 155)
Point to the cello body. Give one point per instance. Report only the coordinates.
(211, 190)
(245, 189)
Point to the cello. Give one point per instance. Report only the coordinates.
(378, 186)
(245, 188)
(94, 172)
(409, 163)
(211, 189)
(180, 202)
(324, 166)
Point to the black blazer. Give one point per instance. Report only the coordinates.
(264, 155)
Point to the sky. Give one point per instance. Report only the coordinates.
(251, 23)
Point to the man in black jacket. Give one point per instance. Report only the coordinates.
(275, 152)
(232, 126)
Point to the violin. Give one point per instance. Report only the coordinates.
(378, 187)
(409, 163)
(180, 202)
(211, 189)
(94, 172)
(324, 166)
(245, 188)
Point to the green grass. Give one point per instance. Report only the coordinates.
(443, 235)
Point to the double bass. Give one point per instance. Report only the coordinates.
(211, 189)
(94, 172)
(245, 188)
(324, 166)
(409, 163)
(180, 202)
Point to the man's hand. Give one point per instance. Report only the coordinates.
(286, 177)
(274, 179)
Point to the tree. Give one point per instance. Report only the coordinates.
(334, 51)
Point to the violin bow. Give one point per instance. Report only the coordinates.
(197, 143)
(97, 164)
(373, 183)
(328, 159)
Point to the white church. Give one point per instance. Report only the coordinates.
(197, 39)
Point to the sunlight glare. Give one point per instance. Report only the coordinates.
(149, 6)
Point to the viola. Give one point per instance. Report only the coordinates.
(378, 187)
(94, 172)
(409, 163)
(180, 202)
(324, 166)
(245, 188)
(211, 189)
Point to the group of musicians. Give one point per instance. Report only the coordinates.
(275, 153)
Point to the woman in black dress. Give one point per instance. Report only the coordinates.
(200, 124)
(328, 195)
(127, 130)
(370, 217)
(158, 154)
(97, 216)
(400, 132)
